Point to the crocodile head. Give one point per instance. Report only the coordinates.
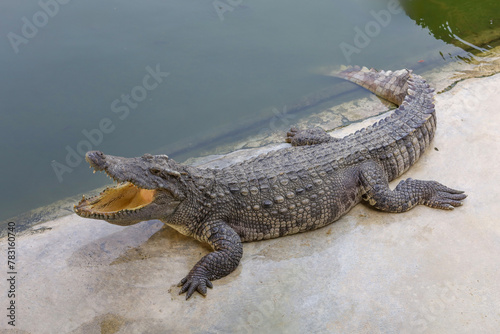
(149, 187)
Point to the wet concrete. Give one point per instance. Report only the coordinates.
(424, 271)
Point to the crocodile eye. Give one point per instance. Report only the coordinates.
(155, 171)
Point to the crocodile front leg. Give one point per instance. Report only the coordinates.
(228, 251)
(407, 194)
(311, 136)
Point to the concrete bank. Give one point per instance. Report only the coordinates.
(424, 271)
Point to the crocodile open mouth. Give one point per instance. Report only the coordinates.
(115, 201)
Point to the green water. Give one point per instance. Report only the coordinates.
(67, 67)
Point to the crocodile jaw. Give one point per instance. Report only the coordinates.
(121, 201)
(139, 195)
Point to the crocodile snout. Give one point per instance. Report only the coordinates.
(96, 159)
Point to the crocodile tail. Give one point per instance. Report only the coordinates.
(389, 85)
(398, 140)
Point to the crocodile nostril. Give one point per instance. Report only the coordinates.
(95, 153)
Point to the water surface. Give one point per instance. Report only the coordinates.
(227, 65)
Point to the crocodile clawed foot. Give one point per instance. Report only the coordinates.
(443, 197)
(290, 134)
(195, 282)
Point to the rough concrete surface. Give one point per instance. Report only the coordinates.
(424, 271)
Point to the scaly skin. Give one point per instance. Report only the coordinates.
(306, 186)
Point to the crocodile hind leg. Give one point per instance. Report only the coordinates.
(228, 251)
(407, 194)
(312, 136)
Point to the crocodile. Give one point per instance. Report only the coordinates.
(299, 188)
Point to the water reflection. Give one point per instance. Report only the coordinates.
(470, 25)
